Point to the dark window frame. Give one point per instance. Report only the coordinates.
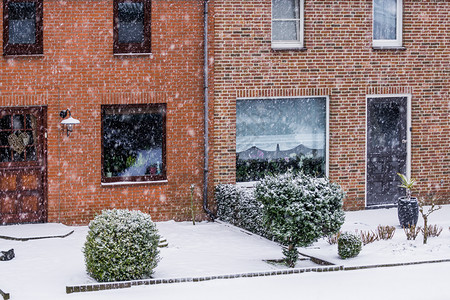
(24, 49)
(132, 48)
(124, 108)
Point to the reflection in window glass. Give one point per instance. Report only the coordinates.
(286, 20)
(133, 142)
(277, 135)
(22, 22)
(131, 22)
(385, 20)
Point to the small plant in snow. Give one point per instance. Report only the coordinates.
(433, 230)
(121, 245)
(385, 232)
(412, 232)
(333, 238)
(368, 237)
(299, 209)
(425, 216)
(349, 245)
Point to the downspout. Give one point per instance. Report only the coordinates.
(206, 112)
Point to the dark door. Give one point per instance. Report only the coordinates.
(386, 149)
(23, 165)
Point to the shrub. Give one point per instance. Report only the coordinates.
(238, 206)
(368, 237)
(349, 245)
(412, 232)
(121, 245)
(385, 232)
(299, 209)
(433, 230)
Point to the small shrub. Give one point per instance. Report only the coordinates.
(385, 232)
(433, 231)
(121, 245)
(368, 237)
(349, 245)
(412, 232)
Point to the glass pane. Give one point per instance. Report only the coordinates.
(274, 135)
(385, 20)
(4, 138)
(5, 122)
(385, 132)
(31, 153)
(22, 22)
(285, 31)
(131, 22)
(285, 9)
(18, 122)
(5, 155)
(19, 156)
(133, 144)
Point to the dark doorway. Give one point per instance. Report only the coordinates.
(386, 148)
(23, 165)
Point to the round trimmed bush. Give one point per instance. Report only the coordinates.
(349, 245)
(121, 245)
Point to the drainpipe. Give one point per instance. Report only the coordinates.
(206, 112)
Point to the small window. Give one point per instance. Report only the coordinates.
(287, 24)
(132, 26)
(274, 136)
(133, 142)
(387, 23)
(22, 27)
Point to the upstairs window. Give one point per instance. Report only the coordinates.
(133, 143)
(387, 23)
(287, 24)
(22, 27)
(132, 26)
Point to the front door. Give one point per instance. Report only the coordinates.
(386, 148)
(23, 165)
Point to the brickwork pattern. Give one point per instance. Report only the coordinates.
(339, 62)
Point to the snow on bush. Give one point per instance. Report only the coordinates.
(349, 245)
(300, 209)
(121, 245)
(238, 206)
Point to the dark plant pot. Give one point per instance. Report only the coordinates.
(408, 212)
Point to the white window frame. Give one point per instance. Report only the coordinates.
(398, 42)
(290, 44)
(327, 131)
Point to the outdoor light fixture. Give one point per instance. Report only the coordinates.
(69, 122)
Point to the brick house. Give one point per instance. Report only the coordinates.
(131, 72)
(353, 90)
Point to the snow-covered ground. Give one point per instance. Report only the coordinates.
(43, 268)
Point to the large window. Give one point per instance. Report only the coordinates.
(133, 142)
(287, 24)
(387, 23)
(132, 26)
(277, 135)
(22, 27)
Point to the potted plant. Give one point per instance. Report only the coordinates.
(408, 207)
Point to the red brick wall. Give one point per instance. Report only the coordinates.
(79, 71)
(339, 62)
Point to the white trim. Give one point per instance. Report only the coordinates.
(408, 135)
(389, 44)
(132, 182)
(327, 129)
(289, 44)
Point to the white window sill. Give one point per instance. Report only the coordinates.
(134, 54)
(281, 46)
(132, 182)
(248, 184)
(388, 48)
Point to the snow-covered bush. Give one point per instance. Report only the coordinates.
(299, 209)
(238, 206)
(121, 245)
(349, 245)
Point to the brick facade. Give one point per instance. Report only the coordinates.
(79, 71)
(339, 62)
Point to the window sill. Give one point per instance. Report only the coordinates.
(288, 48)
(133, 182)
(399, 48)
(247, 184)
(133, 54)
(23, 55)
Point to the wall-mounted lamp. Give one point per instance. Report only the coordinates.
(69, 122)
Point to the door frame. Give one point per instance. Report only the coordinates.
(408, 138)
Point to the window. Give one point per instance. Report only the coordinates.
(287, 24)
(22, 27)
(276, 135)
(132, 26)
(387, 23)
(133, 142)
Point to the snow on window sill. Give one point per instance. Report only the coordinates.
(133, 54)
(132, 182)
(388, 48)
(248, 184)
(288, 46)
